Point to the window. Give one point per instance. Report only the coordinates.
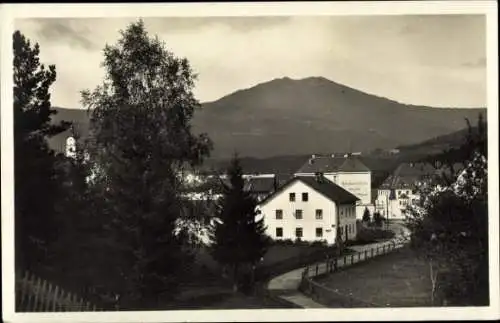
(348, 228)
(298, 214)
(292, 197)
(279, 232)
(298, 232)
(319, 232)
(305, 197)
(279, 214)
(319, 214)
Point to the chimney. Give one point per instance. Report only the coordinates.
(313, 156)
(333, 155)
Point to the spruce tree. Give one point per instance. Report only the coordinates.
(366, 215)
(36, 180)
(238, 237)
(140, 141)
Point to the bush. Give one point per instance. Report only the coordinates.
(319, 243)
(369, 235)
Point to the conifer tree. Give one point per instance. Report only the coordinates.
(238, 235)
(140, 141)
(36, 185)
(366, 215)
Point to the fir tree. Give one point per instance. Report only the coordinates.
(366, 215)
(140, 141)
(238, 236)
(36, 185)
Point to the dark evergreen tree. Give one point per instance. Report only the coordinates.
(366, 215)
(238, 236)
(140, 142)
(378, 219)
(36, 180)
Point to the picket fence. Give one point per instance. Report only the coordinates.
(34, 294)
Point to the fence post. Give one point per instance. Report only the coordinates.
(352, 258)
(335, 264)
(345, 260)
(24, 282)
(359, 256)
(48, 302)
(316, 269)
(54, 299)
(41, 298)
(366, 254)
(38, 287)
(372, 252)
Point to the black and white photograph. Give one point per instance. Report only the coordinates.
(187, 163)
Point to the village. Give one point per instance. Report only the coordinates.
(159, 191)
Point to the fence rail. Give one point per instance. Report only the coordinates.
(329, 296)
(34, 294)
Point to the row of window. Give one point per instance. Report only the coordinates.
(299, 214)
(299, 233)
(305, 197)
(319, 214)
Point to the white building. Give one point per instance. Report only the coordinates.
(346, 171)
(310, 208)
(398, 190)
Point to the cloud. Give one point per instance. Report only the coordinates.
(424, 60)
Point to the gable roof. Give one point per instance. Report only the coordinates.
(406, 175)
(326, 188)
(329, 164)
(353, 165)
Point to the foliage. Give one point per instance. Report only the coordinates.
(139, 145)
(366, 215)
(378, 219)
(450, 224)
(238, 236)
(369, 235)
(36, 179)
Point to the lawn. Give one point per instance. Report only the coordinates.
(397, 280)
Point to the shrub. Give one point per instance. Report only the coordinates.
(369, 235)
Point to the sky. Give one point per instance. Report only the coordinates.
(433, 60)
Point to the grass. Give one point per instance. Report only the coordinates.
(397, 280)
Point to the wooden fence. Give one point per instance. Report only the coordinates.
(34, 294)
(331, 297)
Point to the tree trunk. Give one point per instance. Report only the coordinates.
(433, 275)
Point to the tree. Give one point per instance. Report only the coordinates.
(140, 141)
(36, 185)
(238, 237)
(366, 215)
(378, 219)
(449, 226)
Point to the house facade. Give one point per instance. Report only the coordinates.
(399, 189)
(310, 209)
(347, 171)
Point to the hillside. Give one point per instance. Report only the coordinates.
(316, 115)
(313, 115)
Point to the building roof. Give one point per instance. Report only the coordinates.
(331, 164)
(267, 184)
(353, 165)
(325, 187)
(406, 175)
